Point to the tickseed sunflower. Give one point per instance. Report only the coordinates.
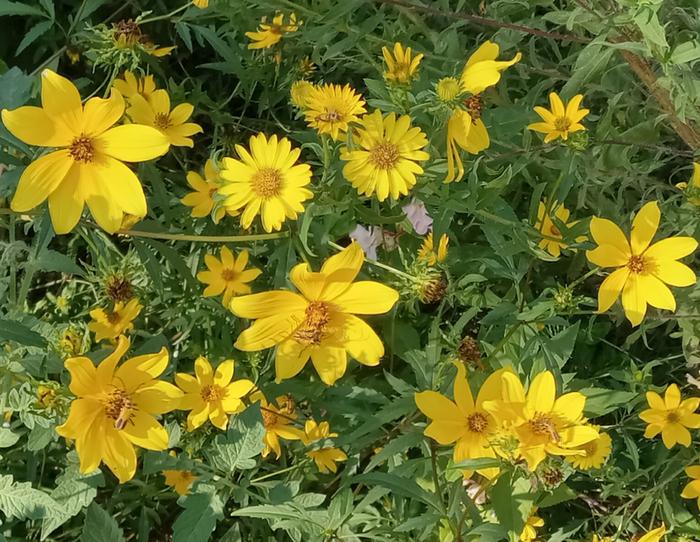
(324, 457)
(655, 535)
(386, 160)
(331, 108)
(448, 89)
(172, 124)
(552, 235)
(463, 422)
(266, 181)
(401, 66)
(427, 251)
(597, 452)
(644, 269)
(131, 85)
(465, 129)
(109, 325)
(227, 275)
(270, 34)
(560, 120)
(692, 488)
(87, 167)
(671, 417)
(211, 394)
(533, 523)
(180, 480)
(278, 421)
(544, 424)
(319, 322)
(202, 199)
(299, 93)
(115, 409)
(692, 188)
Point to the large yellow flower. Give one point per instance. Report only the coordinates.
(692, 488)
(266, 181)
(402, 66)
(331, 108)
(386, 161)
(319, 322)
(227, 275)
(278, 421)
(270, 34)
(655, 535)
(116, 407)
(464, 422)
(551, 241)
(172, 124)
(110, 324)
(131, 85)
(88, 166)
(692, 188)
(671, 417)
(211, 394)
(597, 452)
(560, 120)
(325, 457)
(643, 270)
(202, 199)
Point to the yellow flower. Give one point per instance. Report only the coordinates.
(201, 4)
(597, 453)
(266, 181)
(670, 417)
(427, 252)
(692, 190)
(544, 424)
(319, 322)
(596, 538)
(643, 270)
(692, 488)
(448, 89)
(300, 92)
(87, 167)
(654, 536)
(547, 228)
(202, 199)
(127, 34)
(560, 120)
(131, 86)
(46, 397)
(331, 108)
(71, 342)
(179, 480)
(464, 422)
(402, 66)
(110, 324)
(211, 394)
(227, 275)
(386, 161)
(465, 129)
(115, 409)
(172, 124)
(306, 67)
(278, 425)
(270, 34)
(325, 458)
(530, 530)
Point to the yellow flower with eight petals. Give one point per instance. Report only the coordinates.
(560, 120)
(211, 394)
(331, 108)
(327, 457)
(278, 422)
(270, 34)
(227, 275)
(179, 480)
(115, 409)
(643, 270)
(110, 324)
(319, 322)
(692, 488)
(131, 85)
(87, 167)
(427, 250)
(386, 162)
(172, 124)
(402, 66)
(671, 417)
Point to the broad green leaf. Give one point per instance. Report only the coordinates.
(7, 437)
(99, 526)
(405, 487)
(512, 501)
(199, 518)
(242, 443)
(19, 333)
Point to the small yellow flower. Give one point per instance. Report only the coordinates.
(692, 488)
(73, 55)
(545, 225)
(448, 89)
(62, 303)
(127, 34)
(131, 86)
(201, 4)
(270, 34)
(560, 120)
(402, 66)
(227, 275)
(597, 453)
(325, 458)
(211, 394)
(654, 536)
(278, 425)
(331, 108)
(386, 160)
(427, 252)
(266, 181)
(306, 67)
(202, 199)
(692, 189)
(110, 324)
(643, 269)
(70, 342)
(300, 92)
(596, 538)
(180, 480)
(671, 417)
(46, 397)
(530, 530)
(172, 124)
(115, 409)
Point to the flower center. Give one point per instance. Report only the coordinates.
(267, 182)
(212, 393)
(543, 425)
(162, 121)
(113, 317)
(120, 408)
(127, 33)
(269, 418)
(385, 155)
(554, 231)
(81, 149)
(673, 417)
(313, 328)
(330, 115)
(118, 288)
(562, 124)
(636, 264)
(477, 422)
(590, 448)
(474, 106)
(229, 275)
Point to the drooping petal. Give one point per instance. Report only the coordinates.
(40, 179)
(290, 359)
(611, 287)
(67, 202)
(330, 363)
(119, 455)
(634, 300)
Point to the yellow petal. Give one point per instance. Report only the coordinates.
(570, 406)
(462, 392)
(66, 203)
(158, 397)
(367, 297)
(541, 394)
(605, 232)
(438, 407)
(607, 256)
(35, 127)
(357, 337)
(611, 287)
(672, 248)
(266, 332)
(140, 369)
(656, 292)
(330, 363)
(132, 143)
(266, 304)
(223, 373)
(672, 397)
(644, 227)
(290, 359)
(82, 376)
(634, 300)
(41, 178)
(119, 455)
(478, 138)
(144, 431)
(101, 114)
(61, 100)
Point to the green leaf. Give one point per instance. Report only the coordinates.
(19, 333)
(600, 401)
(199, 518)
(398, 485)
(7, 437)
(512, 501)
(17, 8)
(590, 63)
(688, 51)
(22, 501)
(99, 526)
(242, 442)
(74, 492)
(561, 494)
(50, 260)
(33, 34)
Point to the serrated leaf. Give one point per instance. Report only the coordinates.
(406, 487)
(512, 501)
(50, 260)
(22, 501)
(35, 32)
(17, 8)
(242, 442)
(19, 333)
(199, 518)
(99, 526)
(74, 492)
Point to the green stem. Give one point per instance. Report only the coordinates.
(205, 238)
(278, 472)
(167, 15)
(584, 277)
(13, 267)
(380, 265)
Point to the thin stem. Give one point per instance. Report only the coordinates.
(278, 472)
(380, 265)
(205, 238)
(166, 16)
